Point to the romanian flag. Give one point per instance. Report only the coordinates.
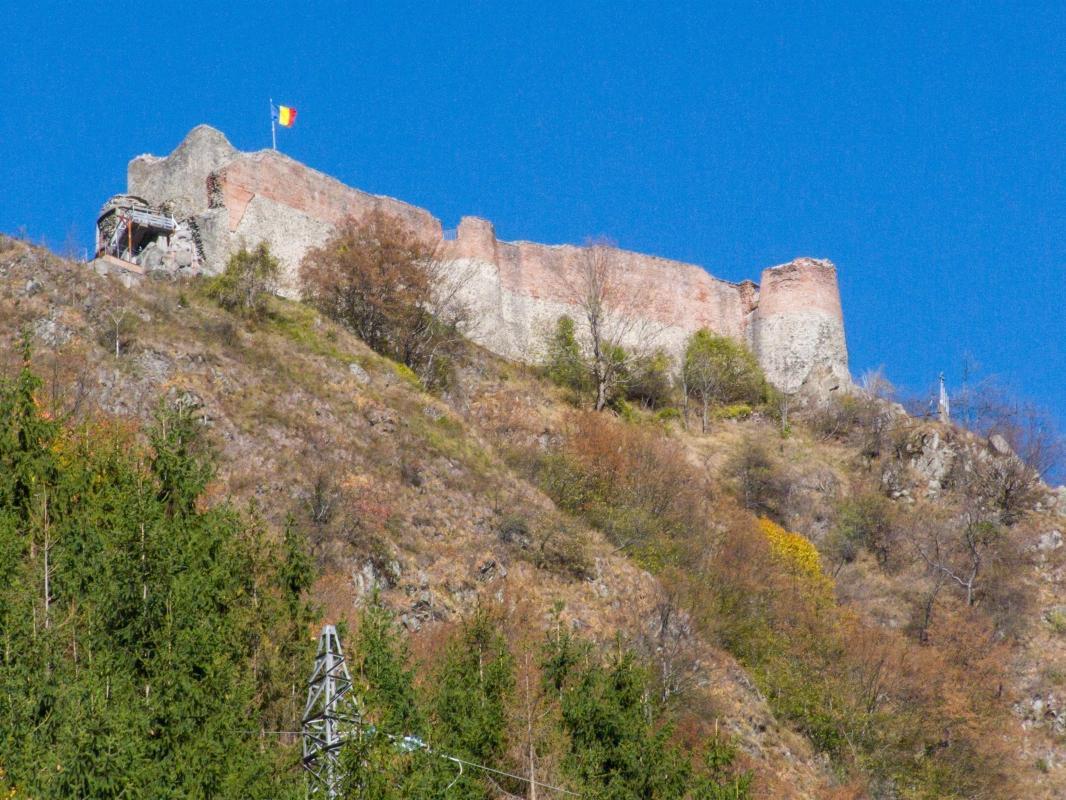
(286, 116)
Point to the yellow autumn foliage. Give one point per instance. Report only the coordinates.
(796, 554)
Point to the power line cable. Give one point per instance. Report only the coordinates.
(411, 742)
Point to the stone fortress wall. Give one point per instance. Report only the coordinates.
(792, 320)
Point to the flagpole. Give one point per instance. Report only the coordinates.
(273, 129)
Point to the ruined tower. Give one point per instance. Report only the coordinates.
(797, 332)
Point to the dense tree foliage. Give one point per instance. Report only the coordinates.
(564, 362)
(641, 377)
(605, 735)
(714, 371)
(717, 369)
(382, 281)
(908, 708)
(146, 643)
(615, 751)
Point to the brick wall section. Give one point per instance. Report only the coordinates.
(804, 284)
(670, 292)
(798, 330)
(277, 177)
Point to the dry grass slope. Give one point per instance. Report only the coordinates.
(440, 502)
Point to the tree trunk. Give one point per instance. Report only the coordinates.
(601, 394)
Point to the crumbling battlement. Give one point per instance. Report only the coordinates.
(793, 322)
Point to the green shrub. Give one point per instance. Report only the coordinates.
(718, 370)
(863, 521)
(514, 529)
(247, 283)
(648, 381)
(1056, 619)
(757, 479)
(737, 411)
(564, 364)
(562, 549)
(858, 419)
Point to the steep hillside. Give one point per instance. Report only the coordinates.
(394, 487)
(501, 493)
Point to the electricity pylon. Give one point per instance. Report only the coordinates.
(331, 715)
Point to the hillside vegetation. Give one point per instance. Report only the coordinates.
(703, 594)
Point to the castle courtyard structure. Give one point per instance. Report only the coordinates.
(190, 210)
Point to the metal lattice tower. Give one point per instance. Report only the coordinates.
(331, 715)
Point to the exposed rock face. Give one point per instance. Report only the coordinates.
(179, 181)
(176, 257)
(793, 323)
(240, 198)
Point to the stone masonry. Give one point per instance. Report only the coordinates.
(792, 320)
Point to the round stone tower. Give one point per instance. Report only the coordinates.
(798, 328)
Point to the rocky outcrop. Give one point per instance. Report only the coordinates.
(793, 321)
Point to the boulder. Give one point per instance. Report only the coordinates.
(359, 373)
(932, 460)
(999, 445)
(1052, 540)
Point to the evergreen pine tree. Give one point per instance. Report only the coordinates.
(133, 624)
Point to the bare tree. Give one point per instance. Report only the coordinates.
(534, 712)
(987, 407)
(119, 333)
(71, 249)
(1032, 434)
(877, 385)
(959, 550)
(925, 607)
(1005, 485)
(615, 331)
(453, 313)
(961, 564)
(672, 648)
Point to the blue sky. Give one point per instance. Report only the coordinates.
(920, 147)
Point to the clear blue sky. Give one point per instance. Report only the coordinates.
(919, 147)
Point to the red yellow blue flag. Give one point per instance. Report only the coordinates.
(286, 116)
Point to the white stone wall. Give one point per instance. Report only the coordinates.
(796, 346)
(517, 326)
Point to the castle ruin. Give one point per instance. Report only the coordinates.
(192, 209)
